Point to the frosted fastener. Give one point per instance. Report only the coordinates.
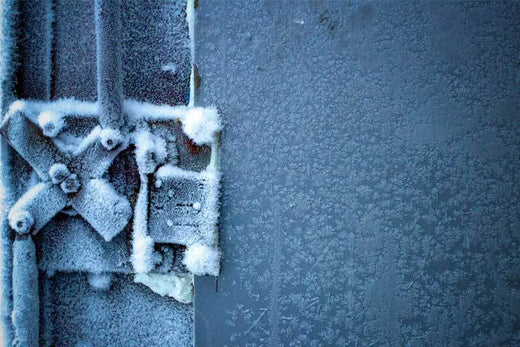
(70, 184)
(58, 173)
(20, 221)
(110, 138)
(51, 123)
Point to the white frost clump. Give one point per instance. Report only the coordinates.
(20, 221)
(137, 111)
(100, 281)
(150, 151)
(58, 173)
(201, 260)
(177, 286)
(110, 138)
(70, 106)
(201, 125)
(51, 123)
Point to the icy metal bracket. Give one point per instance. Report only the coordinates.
(174, 205)
(67, 178)
(116, 186)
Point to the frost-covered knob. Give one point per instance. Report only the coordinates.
(70, 184)
(202, 260)
(201, 125)
(20, 221)
(110, 138)
(51, 123)
(58, 172)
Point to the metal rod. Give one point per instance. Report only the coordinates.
(109, 78)
(26, 301)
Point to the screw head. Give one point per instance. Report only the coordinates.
(20, 221)
(71, 184)
(110, 138)
(51, 123)
(58, 172)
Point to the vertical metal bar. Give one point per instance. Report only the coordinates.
(109, 78)
(49, 39)
(8, 19)
(26, 301)
(34, 43)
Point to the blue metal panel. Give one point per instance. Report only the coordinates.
(370, 172)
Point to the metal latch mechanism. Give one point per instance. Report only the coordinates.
(173, 206)
(141, 179)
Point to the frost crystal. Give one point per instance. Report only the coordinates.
(143, 255)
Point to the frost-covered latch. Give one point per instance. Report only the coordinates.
(110, 188)
(173, 205)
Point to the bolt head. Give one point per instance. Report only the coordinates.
(58, 173)
(51, 123)
(20, 221)
(70, 184)
(110, 138)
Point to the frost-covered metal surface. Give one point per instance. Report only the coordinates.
(85, 317)
(69, 174)
(370, 172)
(93, 123)
(159, 75)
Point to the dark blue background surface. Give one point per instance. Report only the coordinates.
(371, 177)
